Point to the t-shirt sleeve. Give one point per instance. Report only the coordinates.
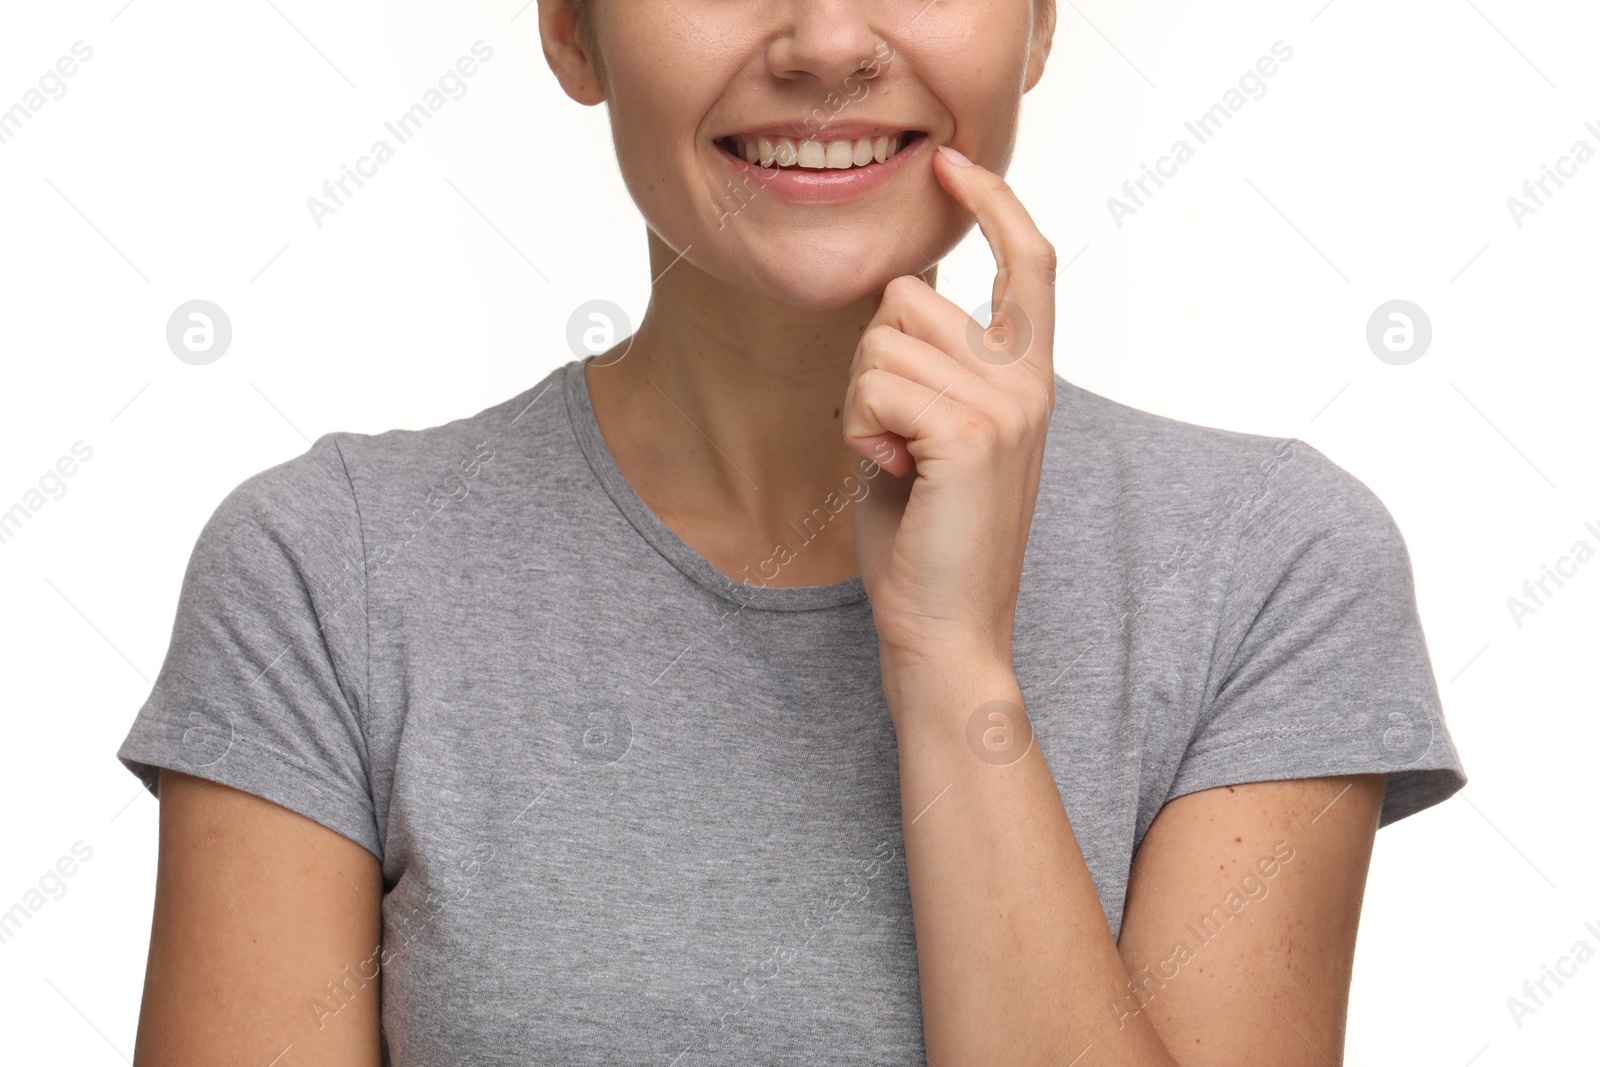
(263, 687)
(1321, 667)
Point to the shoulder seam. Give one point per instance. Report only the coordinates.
(1295, 443)
(1230, 590)
(366, 601)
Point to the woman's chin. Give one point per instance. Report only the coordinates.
(828, 284)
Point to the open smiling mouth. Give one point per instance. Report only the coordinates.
(803, 154)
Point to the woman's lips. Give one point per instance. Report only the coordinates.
(805, 186)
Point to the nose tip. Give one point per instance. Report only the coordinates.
(830, 41)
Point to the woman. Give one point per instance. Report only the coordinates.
(815, 676)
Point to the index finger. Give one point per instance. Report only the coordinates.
(1025, 261)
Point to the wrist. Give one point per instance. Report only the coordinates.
(946, 686)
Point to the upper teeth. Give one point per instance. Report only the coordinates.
(816, 155)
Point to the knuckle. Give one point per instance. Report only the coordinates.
(1042, 258)
(978, 428)
(876, 338)
(902, 286)
(1013, 424)
(870, 380)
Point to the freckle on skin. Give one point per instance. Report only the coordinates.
(1238, 839)
(836, 413)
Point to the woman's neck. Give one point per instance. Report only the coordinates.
(724, 417)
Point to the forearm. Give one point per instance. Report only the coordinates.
(1016, 960)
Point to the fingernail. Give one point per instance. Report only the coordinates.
(955, 157)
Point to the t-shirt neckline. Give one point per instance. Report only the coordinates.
(580, 409)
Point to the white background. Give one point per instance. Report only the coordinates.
(1377, 166)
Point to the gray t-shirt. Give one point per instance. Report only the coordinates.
(632, 810)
